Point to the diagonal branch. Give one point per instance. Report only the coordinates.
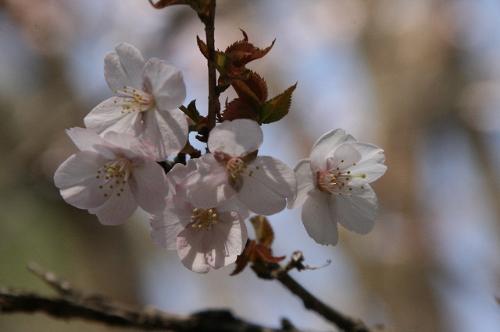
(311, 302)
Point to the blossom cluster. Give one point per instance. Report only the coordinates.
(199, 208)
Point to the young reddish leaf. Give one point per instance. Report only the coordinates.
(276, 108)
(263, 230)
(265, 254)
(220, 57)
(242, 52)
(202, 46)
(200, 6)
(191, 111)
(244, 257)
(238, 109)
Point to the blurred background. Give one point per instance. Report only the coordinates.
(419, 78)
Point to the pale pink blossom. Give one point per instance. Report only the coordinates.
(263, 184)
(205, 238)
(147, 97)
(111, 175)
(333, 186)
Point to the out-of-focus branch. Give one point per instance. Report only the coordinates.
(311, 302)
(71, 304)
(112, 314)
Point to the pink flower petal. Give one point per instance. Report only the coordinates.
(344, 157)
(84, 139)
(317, 218)
(165, 226)
(267, 184)
(114, 73)
(166, 131)
(119, 206)
(149, 186)
(305, 183)
(370, 167)
(166, 84)
(106, 114)
(326, 145)
(202, 249)
(356, 212)
(79, 167)
(132, 62)
(236, 138)
(209, 186)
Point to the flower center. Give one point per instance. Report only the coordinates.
(114, 175)
(335, 181)
(135, 100)
(235, 166)
(204, 218)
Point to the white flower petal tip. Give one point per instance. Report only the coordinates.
(333, 186)
(236, 138)
(146, 101)
(111, 178)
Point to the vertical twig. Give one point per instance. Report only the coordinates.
(213, 99)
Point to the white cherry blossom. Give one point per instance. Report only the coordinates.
(205, 238)
(333, 186)
(263, 184)
(111, 175)
(146, 101)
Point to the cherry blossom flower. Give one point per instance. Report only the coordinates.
(333, 185)
(263, 184)
(111, 175)
(146, 101)
(205, 238)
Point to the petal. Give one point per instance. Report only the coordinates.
(233, 204)
(305, 182)
(236, 138)
(166, 84)
(117, 209)
(84, 139)
(166, 131)
(77, 168)
(165, 226)
(202, 249)
(149, 186)
(114, 73)
(179, 172)
(106, 114)
(267, 184)
(208, 186)
(370, 167)
(129, 146)
(344, 157)
(356, 212)
(132, 62)
(326, 145)
(318, 220)
(228, 238)
(189, 249)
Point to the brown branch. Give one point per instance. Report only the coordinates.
(213, 95)
(116, 315)
(72, 303)
(279, 273)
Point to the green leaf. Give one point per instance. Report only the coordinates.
(276, 108)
